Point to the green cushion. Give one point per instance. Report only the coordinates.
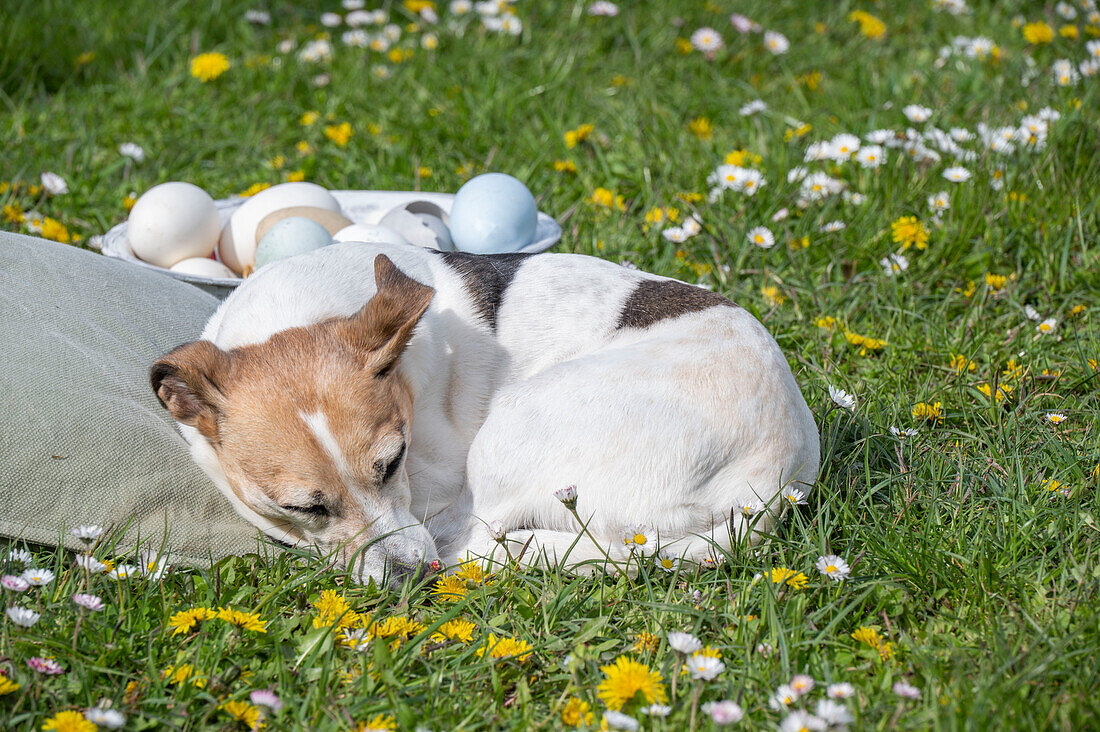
(83, 439)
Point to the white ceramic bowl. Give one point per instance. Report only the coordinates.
(362, 207)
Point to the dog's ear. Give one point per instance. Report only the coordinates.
(186, 382)
(382, 328)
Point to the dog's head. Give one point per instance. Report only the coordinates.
(312, 426)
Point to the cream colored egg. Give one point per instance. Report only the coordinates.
(172, 222)
(237, 247)
(203, 267)
(371, 234)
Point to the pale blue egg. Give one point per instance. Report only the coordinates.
(296, 235)
(493, 213)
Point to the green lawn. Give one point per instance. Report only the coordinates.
(972, 541)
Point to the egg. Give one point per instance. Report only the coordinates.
(172, 222)
(289, 237)
(493, 213)
(370, 233)
(333, 221)
(237, 247)
(422, 223)
(203, 267)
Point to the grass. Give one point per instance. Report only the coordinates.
(983, 580)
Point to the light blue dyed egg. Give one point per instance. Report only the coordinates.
(296, 235)
(493, 213)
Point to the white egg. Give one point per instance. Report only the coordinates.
(237, 248)
(291, 237)
(370, 233)
(493, 213)
(203, 267)
(421, 222)
(171, 222)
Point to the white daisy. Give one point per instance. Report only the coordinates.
(23, 616)
(316, 50)
(842, 398)
(843, 146)
(762, 237)
(748, 509)
(618, 720)
(961, 134)
(706, 40)
(843, 690)
(1047, 326)
(939, 202)
(87, 534)
(1064, 73)
(89, 563)
(833, 714)
(818, 186)
(109, 718)
(667, 561)
(724, 712)
(833, 567)
(353, 4)
(894, 264)
(38, 577)
(797, 173)
(684, 643)
(871, 156)
(794, 496)
(511, 25)
(675, 234)
(705, 667)
(800, 721)
(783, 698)
(833, 226)
(331, 20)
(1066, 10)
(604, 9)
(20, 555)
(907, 432)
(880, 137)
(916, 113)
(14, 583)
(359, 18)
(1056, 417)
(656, 710)
(906, 691)
(357, 38)
(692, 225)
(90, 602)
(259, 17)
(756, 106)
(854, 197)
(802, 684)
(816, 151)
(776, 42)
(1093, 48)
(742, 24)
(460, 7)
(285, 46)
(956, 174)
(133, 151)
(54, 184)
(124, 571)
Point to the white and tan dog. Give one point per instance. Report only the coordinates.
(393, 402)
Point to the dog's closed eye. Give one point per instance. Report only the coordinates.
(315, 510)
(389, 468)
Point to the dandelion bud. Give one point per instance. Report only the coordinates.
(496, 530)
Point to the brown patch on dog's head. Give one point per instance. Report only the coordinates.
(311, 425)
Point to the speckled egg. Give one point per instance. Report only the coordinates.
(290, 237)
(172, 222)
(493, 213)
(370, 233)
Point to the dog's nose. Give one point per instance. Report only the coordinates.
(400, 572)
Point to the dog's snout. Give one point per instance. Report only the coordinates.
(414, 572)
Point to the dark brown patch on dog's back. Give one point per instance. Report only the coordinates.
(486, 277)
(656, 300)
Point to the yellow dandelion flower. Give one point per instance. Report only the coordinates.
(701, 128)
(340, 134)
(13, 214)
(646, 642)
(1069, 31)
(209, 66)
(459, 630)
(424, 171)
(399, 55)
(332, 609)
(869, 25)
(129, 201)
(1038, 32)
(295, 175)
(576, 713)
(909, 232)
(450, 588)
(1002, 391)
(710, 652)
(565, 166)
(742, 158)
(69, 721)
(690, 197)
(303, 147)
(381, 723)
(786, 576)
(54, 230)
(7, 686)
(85, 58)
(811, 81)
(683, 46)
(995, 281)
(245, 713)
(498, 648)
(579, 135)
(827, 322)
(961, 363)
(184, 673)
(929, 412)
(242, 620)
(1012, 370)
(398, 627)
(308, 118)
(185, 620)
(868, 635)
(772, 294)
(606, 198)
(626, 678)
(253, 189)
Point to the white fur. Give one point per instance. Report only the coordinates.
(666, 427)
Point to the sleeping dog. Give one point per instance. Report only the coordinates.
(402, 407)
